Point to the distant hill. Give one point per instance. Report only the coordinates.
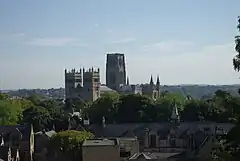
(200, 91)
(195, 91)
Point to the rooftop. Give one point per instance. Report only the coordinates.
(99, 142)
(128, 138)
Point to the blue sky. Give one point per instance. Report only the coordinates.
(185, 42)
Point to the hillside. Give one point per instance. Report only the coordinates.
(200, 91)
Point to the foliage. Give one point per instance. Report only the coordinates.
(38, 116)
(230, 147)
(3, 96)
(236, 59)
(8, 113)
(69, 142)
(103, 107)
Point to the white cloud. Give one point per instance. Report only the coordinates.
(56, 42)
(124, 40)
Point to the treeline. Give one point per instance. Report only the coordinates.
(44, 114)
(136, 108)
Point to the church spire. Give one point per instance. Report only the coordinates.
(158, 83)
(151, 80)
(127, 80)
(158, 80)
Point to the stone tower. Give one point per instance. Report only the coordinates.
(115, 70)
(82, 84)
(91, 84)
(73, 79)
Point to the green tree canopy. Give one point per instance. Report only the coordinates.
(105, 106)
(9, 113)
(38, 116)
(69, 142)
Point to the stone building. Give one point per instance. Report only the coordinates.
(151, 89)
(167, 140)
(101, 150)
(82, 84)
(130, 88)
(42, 139)
(115, 71)
(17, 142)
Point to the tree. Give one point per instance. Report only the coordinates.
(163, 109)
(194, 110)
(35, 98)
(69, 142)
(236, 59)
(38, 116)
(105, 106)
(135, 108)
(232, 143)
(3, 96)
(9, 113)
(179, 98)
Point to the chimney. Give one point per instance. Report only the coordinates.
(146, 138)
(103, 122)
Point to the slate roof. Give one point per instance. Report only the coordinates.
(104, 88)
(24, 129)
(162, 129)
(48, 133)
(140, 155)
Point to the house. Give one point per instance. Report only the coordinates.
(42, 140)
(188, 139)
(19, 140)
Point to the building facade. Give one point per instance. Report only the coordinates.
(115, 71)
(17, 142)
(82, 84)
(151, 89)
(101, 150)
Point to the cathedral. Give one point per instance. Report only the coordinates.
(82, 84)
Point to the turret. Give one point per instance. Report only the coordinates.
(127, 81)
(151, 80)
(175, 115)
(158, 83)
